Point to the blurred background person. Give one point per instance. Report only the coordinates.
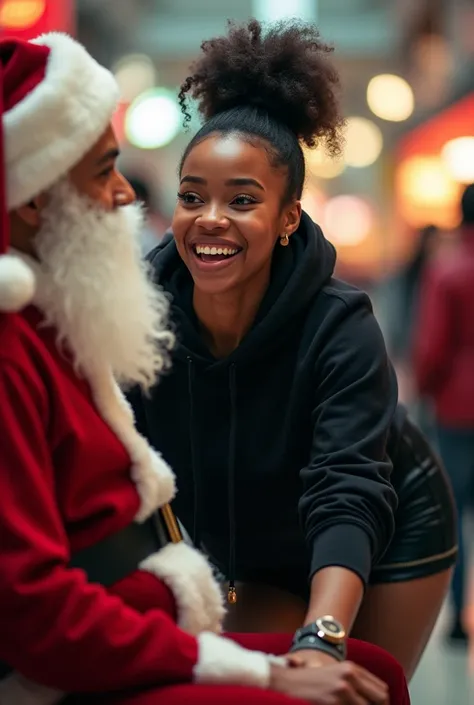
(444, 371)
(405, 301)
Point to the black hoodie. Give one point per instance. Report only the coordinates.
(280, 448)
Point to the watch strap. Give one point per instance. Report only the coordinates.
(314, 643)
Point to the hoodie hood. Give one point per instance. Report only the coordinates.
(298, 273)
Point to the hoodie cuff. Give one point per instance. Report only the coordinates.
(345, 546)
(222, 661)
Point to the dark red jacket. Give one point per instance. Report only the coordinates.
(444, 336)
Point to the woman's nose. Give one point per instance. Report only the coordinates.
(213, 217)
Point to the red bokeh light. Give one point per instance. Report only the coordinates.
(27, 19)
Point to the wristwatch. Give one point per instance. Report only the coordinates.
(325, 634)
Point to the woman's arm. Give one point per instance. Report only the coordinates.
(338, 592)
(347, 506)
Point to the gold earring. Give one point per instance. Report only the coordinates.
(284, 240)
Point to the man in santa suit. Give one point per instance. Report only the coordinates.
(92, 600)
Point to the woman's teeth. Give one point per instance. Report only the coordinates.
(206, 250)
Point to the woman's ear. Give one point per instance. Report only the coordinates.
(292, 217)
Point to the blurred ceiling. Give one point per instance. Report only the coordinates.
(170, 30)
(355, 26)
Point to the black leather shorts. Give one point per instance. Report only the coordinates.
(425, 540)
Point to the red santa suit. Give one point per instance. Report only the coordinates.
(66, 461)
(74, 471)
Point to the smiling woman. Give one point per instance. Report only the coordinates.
(280, 412)
(230, 199)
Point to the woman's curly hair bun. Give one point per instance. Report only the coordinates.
(283, 69)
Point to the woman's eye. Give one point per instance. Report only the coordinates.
(243, 200)
(189, 198)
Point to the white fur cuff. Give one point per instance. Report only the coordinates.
(16, 690)
(189, 576)
(153, 478)
(222, 661)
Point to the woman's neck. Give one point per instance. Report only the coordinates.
(226, 318)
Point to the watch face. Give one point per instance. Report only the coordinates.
(330, 630)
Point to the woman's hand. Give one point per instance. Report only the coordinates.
(339, 684)
(310, 658)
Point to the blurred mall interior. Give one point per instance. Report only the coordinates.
(407, 68)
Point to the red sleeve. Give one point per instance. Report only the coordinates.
(55, 627)
(432, 332)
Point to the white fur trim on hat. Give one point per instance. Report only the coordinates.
(221, 660)
(189, 576)
(54, 126)
(17, 284)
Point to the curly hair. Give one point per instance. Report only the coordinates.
(276, 84)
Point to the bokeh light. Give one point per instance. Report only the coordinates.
(313, 203)
(275, 10)
(458, 156)
(390, 97)
(347, 220)
(135, 74)
(320, 165)
(364, 142)
(153, 119)
(21, 14)
(427, 193)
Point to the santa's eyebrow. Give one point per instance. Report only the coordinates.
(109, 156)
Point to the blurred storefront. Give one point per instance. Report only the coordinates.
(433, 162)
(29, 18)
(433, 158)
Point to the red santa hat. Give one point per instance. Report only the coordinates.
(55, 101)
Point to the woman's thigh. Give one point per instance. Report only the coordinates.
(265, 608)
(409, 585)
(400, 617)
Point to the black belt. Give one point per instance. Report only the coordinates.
(116, 556)
(119, 555)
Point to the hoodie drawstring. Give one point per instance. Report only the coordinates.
(232, 593)
(194, 455)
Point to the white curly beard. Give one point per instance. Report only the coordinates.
(94, 288)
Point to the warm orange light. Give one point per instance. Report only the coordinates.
(21, 14)
(458, 156)
(427, 193)
(390, 97)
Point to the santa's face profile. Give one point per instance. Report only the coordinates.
(92, 285)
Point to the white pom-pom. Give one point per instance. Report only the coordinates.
(17, 284)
